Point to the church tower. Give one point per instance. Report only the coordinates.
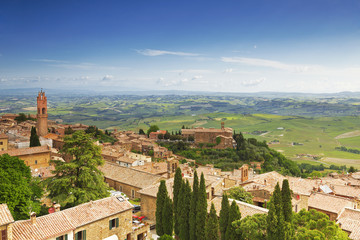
(41, 124)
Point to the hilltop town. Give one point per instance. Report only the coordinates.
(134, 166)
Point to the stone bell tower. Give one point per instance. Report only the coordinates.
(41, 124)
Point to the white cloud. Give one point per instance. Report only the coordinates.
(228, 70)
(196, 77)
(48, 60)
(255, 46)
(267, 63)
(154, 52)
(254, 82)
(107, 78)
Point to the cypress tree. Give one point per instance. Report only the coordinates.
(167, 216)
(276, 216)
(193, 206)
(201, 210)
(212, 225)
(224, 215)
(176, 191)
(160, 201)
(184, 211)
(34, 138)
(234, 215)
(287, 210)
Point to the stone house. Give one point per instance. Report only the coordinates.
(4, 139)
(155, 135)
(128, 180)
(162, 153)
(6, 222)
(34, 157)
(108, 218)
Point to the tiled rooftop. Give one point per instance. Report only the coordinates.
(26, 151)
(329, 203)
(5, 215)
(129, 176)
(246, 209)
(349, 219)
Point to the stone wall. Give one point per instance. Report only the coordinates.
(148, 206)
(125, 188)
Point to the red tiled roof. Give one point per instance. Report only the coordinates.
(26, 151)
(350, 221)
(329, 203)
(5, 215)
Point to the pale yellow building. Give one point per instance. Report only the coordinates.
(4, 139)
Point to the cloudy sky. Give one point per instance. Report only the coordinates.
(222, 46)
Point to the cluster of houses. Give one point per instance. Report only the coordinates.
(129, 169)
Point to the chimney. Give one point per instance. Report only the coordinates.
(33, 218)
(57, 207)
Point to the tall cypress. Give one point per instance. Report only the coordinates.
(184, 211)
(193, 206)
(34, 138)
(201, 210)
(224, 215)
(176, 191)
(167, 216)
(287, 210)
(234, 215)
(160, 201)
(212, 225)
(275, 217)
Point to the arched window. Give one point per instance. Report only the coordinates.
(43, 111)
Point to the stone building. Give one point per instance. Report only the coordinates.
(108, 219)
(221, 137)
(42, 116)
(34, 157)
(4, 139)
(6, 222)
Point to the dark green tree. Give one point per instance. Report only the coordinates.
(69, 131)
(275, 218)
(212, 225)
(153, 128)
(79, 180)
(352, 169)
(224, 215)
(160, 203)
(193, 206)
(168, 216)
(234, 214)
(239, 193)
(176, 191)
(201, 210)
(185, 210)
(17, 189)
(34, 138)
(21, 118)
(287, 210)
(166, 237)
(141, 132)
(167, 135)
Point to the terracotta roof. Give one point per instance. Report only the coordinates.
(192, 131)
(347, 191)
(95, 210)
(349, 220)
(53, 136)
(154, 168)
(26, 151)
(129, 176)
(246, 209)
(329, 203)
(3, 135)
(47, 226)
(5, 215)
(59, 223)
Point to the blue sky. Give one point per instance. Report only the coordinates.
(229, 46)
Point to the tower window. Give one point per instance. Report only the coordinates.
(43, 111)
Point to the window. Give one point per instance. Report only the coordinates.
(35, 161)
(1, 143)
(80, 235)
(3, 235)
(113, 223)
(120, 188)
(132, 193)
(63, 237)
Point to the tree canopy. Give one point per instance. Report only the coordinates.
(18, 190)
(239, 193)
(34, 138)
(79, 180)
(153, 128)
